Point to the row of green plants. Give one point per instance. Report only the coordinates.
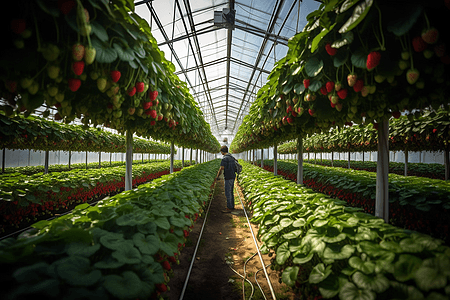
(425, 132)
(436, 171)
(121, 248)
(97, 61)
(29, 170)
(415, 203)
(25, 198)
(41, 134)
(323, 248)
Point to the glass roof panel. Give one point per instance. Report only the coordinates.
(223, 62)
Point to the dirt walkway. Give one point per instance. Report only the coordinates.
(226, 242)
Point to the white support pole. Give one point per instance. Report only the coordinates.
(406, 162)
(262, 158)
(382, 188)
(349, 159)
(70, 158)
(332, 158)
(190, 158)
(182, 158)
(46, 163)
(3, 160)
(275, 167)
(196, 156)
(129, 162)
(172, 152)
(86, 160)
(99, 159)
(300, 160)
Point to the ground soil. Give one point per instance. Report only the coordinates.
(226, 242)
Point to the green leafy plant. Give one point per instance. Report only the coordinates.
(122, 247)
(336, 250)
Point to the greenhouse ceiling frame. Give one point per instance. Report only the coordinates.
(246, 46)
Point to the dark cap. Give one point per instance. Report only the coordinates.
(224, 149)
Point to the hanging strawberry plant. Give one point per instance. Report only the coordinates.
(97, 61)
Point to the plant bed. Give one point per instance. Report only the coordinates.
(121, 248)
(27, 199)
(415, 203)
(30, 170)
(434, 171)
(323, 248)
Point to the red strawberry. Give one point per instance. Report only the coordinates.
(115, 75)
(147, 105)
(131, 91)
(160, 117)
(161, 287)
(323, 90)
(430, 35)
(74, 84)
(311, 112)
(172, 259)
(419, 44)
(18, 25)
(342, 93)
(140, 87)
(357, 87)
(166, 265)
(78, 52)
(396, 114)
(153, 95)
(65, 6)
(78, 67)
(306, 83)
(351, 79)
(373, 59)
(330, 86)
(330, 50)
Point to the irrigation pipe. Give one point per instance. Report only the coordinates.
(198, 243)
(245, 277)
(272, 292)
(256, 280)
(243, 281)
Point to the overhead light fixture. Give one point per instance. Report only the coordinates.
(225, 18)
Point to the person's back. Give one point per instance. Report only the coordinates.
(228, 166)
(229, 171)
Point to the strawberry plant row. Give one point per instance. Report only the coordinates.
(24, 199)
(321, 247)
(416, 203)
(425, 132)
(40, 134)
(29, 170)
(122, 248)
(435, 171)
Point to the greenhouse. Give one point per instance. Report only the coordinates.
(220, 149)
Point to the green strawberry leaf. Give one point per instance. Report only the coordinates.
(127, 286)
(289, 275)
(359, 13)
(351, 292)
(377, 283)
(313, 67)
(319, 273)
